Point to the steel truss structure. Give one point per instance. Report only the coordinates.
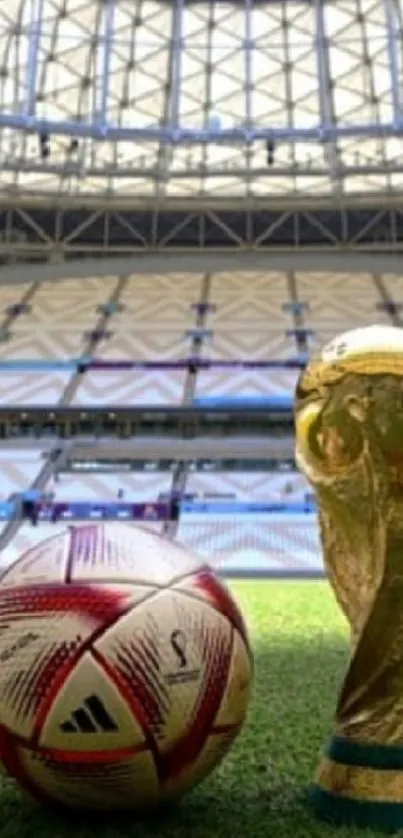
(56, 233)
(181, 99)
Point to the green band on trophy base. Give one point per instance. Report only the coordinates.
(343, 811)
(365, 754)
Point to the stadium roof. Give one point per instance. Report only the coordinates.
(201, 98)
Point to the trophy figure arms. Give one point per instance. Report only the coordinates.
(349, 445)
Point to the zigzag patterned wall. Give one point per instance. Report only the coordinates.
(277, 544)
(18, 470)
(149, 307)
(246, 486)
(271, 546)
(136, 486)
(32, 388)
(248, 316)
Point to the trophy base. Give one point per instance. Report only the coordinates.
(360, 784)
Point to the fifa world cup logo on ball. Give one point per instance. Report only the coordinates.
(349, 429)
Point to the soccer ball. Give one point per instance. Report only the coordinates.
(125, 669)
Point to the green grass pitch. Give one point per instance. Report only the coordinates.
(301, 648)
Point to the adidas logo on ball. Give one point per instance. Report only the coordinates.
(90, 717)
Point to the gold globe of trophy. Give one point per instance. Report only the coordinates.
(349, 444)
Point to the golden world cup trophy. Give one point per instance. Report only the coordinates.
(349, 444)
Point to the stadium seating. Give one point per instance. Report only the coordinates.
(248, 317)
(254, 318)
